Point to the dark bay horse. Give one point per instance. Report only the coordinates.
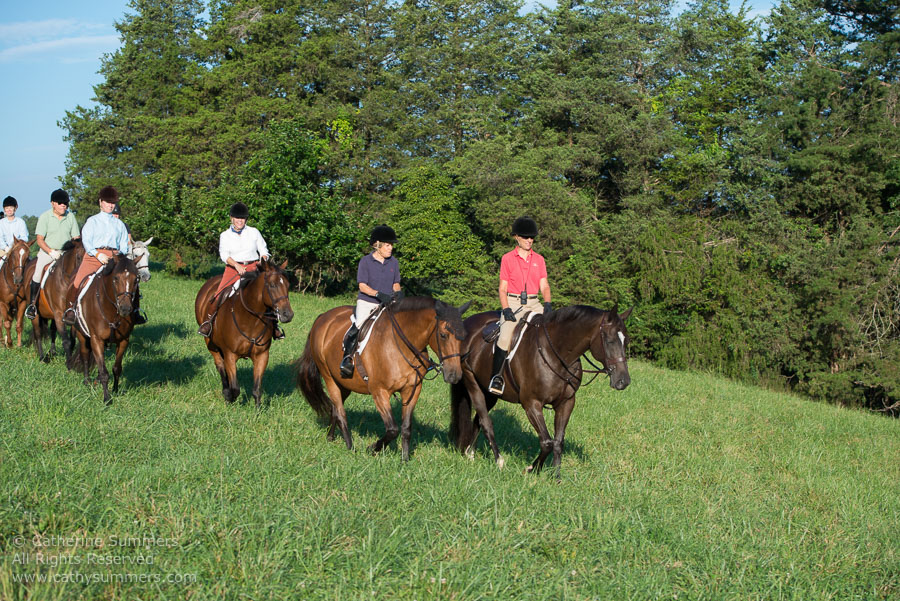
(245, 323)
(544, 372)
(104, 316)
(51, 301)
(395, 359)
(13, 290)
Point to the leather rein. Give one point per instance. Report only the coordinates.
(423, 358)
(268, 318)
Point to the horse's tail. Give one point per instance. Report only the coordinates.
(309, 381)
(462, 429)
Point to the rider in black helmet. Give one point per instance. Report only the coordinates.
(378, 276)
(523, 273)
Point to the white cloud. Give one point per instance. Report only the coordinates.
(29, 32)
(65, 49)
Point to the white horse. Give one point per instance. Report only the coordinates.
(140, 254)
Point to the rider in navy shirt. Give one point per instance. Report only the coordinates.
(378, 276)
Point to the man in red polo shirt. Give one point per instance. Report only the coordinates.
(523, 273)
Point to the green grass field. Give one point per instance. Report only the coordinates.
(683, 486)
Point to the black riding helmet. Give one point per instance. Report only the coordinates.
(9, 201)
(239, 211)
(60, 196)
(383, 233)
(525, 227)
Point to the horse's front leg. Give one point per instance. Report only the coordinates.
(220, 367)
(20, 322)
(37, 328)
(482, 419)
(406, 413)
(234, 390)
(382, 400)
(260, 360)
(535, 412)
(97, 348)
(6, 324)
(117, 366)
(560, 421)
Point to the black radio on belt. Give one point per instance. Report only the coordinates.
(523, 297)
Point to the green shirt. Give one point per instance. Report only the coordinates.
(55, 231)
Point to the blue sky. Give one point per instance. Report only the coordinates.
(50, 53)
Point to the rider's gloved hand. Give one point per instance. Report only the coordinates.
(397, 296)
(508, 314)
(548, 308)
(383, 298)
(55, 254)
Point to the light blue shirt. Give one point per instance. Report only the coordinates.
(104, 230)
(8, 229)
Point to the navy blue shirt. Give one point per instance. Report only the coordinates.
(380, 276)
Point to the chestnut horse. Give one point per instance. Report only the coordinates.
(105, 316)
(51, 300)
(544, 372)
(13, 292)
(395, 359)
(245, 323)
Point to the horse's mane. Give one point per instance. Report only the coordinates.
(70, 244)
(574, 313)
(119, 263)
(413, 303)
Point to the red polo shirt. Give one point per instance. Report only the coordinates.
(522, 273)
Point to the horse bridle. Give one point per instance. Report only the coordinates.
(423, 357)
(605, 369)
(12, 285)
(115, 301)
(264, 317)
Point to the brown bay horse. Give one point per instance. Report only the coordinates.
(245, 323)
(13, 290)
(395, 359)
(104, 316)
(51, 300)
(545, 371)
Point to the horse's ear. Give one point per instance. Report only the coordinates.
(625, 315)
(283, 265)
(32, 242)
(439, 304)
(148, 241)
(464, 307)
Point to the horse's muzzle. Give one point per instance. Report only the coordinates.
(124, 308)
(285, 316)
(452, 375)
(17, 279)
(619, 381)
(144, 275)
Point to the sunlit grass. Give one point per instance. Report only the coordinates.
(682, 486)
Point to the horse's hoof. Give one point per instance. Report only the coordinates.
(529, 469)
(470, 454)
(500, 462)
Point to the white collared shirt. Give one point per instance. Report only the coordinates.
(246, 246)
(8, 229)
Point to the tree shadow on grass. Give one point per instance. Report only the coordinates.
(152, 334)
(160, 370)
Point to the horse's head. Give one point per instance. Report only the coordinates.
(448, 336)
(124, 281)
(18, 257)
(609, 345)
(140, 254)
(73, 252)
(277, 285)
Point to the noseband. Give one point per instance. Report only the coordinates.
(269, 319)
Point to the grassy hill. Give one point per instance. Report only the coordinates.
(683, 486)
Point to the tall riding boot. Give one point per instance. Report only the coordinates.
(69, 313)
(349, 347)
(497, 384)
(138, 317)
(31, 309)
